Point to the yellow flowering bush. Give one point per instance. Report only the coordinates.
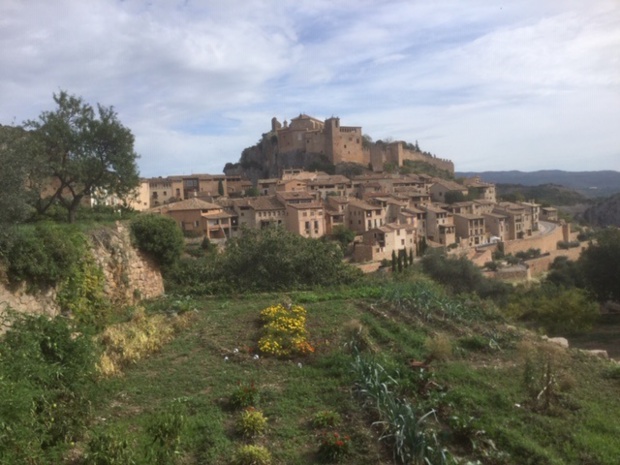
(284, 331)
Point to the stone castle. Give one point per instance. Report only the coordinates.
(343, 144)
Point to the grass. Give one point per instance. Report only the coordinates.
(483, 410)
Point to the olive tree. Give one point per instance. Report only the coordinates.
(82, 151)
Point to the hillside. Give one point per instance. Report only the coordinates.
(547, 194)
(588, 183)
(481, 388)
(388, 370)
(606, 212)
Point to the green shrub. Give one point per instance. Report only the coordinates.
(165, 429)
(555, 310)
(275, 259)
(461, 276)
(244, 395)
(251, 423)
(326, 419)
(46, 370)
(251, 455)
(334, 447)
(82, 293)
(473, 343)
(108, 449)
(45, 254)
(158, 236)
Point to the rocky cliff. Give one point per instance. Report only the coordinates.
(130, 275)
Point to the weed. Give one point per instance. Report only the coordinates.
(109, 449)
(334, 447)
(244, 396)
(165, 429)
(326, 419)
(251, 423)
(439, 347)
(252, 455)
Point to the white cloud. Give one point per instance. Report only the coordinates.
(504, 85)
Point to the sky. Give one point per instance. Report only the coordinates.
(492, 85)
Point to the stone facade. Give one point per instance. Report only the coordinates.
(343, 144)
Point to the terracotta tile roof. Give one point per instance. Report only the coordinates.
(266, 203)
(192, 204)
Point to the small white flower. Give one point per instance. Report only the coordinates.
(236, 351)
(256, 357)
(299, 365)
(225, 359)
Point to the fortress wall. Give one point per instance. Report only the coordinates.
(291, 141)
(546, 243)
(315, 142)
(541, 265)
(440, 163)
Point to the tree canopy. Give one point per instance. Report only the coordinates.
(15, 167)
(600, 264)
(80, 151)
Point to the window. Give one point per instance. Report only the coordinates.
(307, 225)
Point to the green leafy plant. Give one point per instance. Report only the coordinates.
(252, 422)
(252, 455)
(334, 447)
(245, 395)
(108, 449)
(159, 236)
(46, 370)
(165, 429)
(326, 419)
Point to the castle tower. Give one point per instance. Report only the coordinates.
(332, 139)
(275, 124)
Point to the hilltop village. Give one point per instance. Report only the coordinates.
(388, 212)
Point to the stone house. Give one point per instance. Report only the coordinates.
(470, 228)
(379, 243)
(363, 216)
(200, 217)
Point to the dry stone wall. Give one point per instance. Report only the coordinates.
(130, 275)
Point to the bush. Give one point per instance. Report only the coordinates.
(334, 447)
(108, 449)
(251, 423)
(556, 310)
(600, 263)
(568, 244)
(165, 430)
(326, 419)
(275, 259)
(43, 255)
(244, 396)
(46, 370)
(252, 455)
(461, 276)
(158, 236)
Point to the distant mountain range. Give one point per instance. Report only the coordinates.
(589, 183)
